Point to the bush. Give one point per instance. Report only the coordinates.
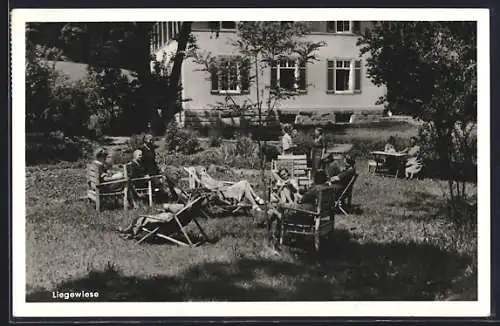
(53, 149)
(304, 142)
(181, 140)
(245, 147)
(214, 138)
(270, 152)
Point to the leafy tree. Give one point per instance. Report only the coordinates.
(430, 69)
(260, 46)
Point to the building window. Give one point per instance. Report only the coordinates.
(223, 25)
(289, 74)
(344, 76)
(343, 26)
(230, 77)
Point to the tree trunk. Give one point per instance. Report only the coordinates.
(171, 107)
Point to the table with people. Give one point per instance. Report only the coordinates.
(395, 162)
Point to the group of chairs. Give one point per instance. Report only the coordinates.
(197, 200)
(164, 224)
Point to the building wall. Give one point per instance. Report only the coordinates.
(197, 85)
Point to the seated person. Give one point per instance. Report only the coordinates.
(340, 180)
(237, 191)
(413, 162)
(391, 162)
(151, 167)
(307, 202)
(104, 162)
(287, 188)
(390, 146)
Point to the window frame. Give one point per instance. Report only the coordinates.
(239, 86)
(353, 67)
(297, 67)
(335, 27)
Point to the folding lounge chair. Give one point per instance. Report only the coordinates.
(345, 194)
(216, 197)
(167, 225)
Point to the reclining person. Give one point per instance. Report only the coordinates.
(237, 191)
(133, 229)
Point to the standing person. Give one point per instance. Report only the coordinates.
(151, 166)
(287, 141)
(318, 150)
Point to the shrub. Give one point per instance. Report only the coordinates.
(181, 140)
(270, 152)
(214, 137)
(245, 147)
(54, 149)
(304, 142)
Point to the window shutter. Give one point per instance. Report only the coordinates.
(330, 75)
(357, 76)
(214, 80)
(274, 77)
(356, 26)
(245, 76)
(302, 77)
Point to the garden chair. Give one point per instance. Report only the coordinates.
(172, 227)
(297, 167)
(296, 221)
(144, 186)
(97, 190)
(346, 194)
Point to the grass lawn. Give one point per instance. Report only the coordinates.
(396, 245)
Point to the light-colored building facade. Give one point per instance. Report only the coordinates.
(337, 82)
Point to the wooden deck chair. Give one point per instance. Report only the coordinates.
(97, 190)
(144, 186)
(319, 223)
(168, 225)
(345, 194)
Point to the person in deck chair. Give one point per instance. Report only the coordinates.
(151, 167)
(287, 188)
(308, 202)
(238, 191)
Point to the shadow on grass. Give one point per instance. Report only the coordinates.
(430, 205)
(345, 270)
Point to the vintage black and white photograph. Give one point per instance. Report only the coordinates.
(187, 160)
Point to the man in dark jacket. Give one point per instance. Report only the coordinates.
(151, 166)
